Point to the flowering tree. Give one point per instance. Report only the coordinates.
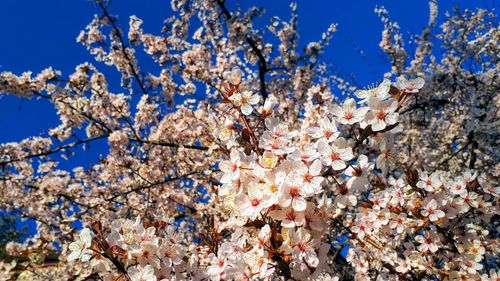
(243, 159)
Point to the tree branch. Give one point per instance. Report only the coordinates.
(253, 45)
(122, 45)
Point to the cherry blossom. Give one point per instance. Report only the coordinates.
(138, 273)
(251, 204)
(381, 92)
(80, 249)
(428, 242)
(429, 183)
(335, 155)
(410, 86)
(293, 194)
(431, 211)
(245, 101)
(301, 245)
(309, 177)
(359, 173)
(381, 114)
(231, 168)
(348, 114)
(242, 157)
(327, 130)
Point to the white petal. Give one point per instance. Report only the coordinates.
(254, 99)
(314, 132)
(337, 110)
(362, 94)
(392, 105)
(338, 165)
(285, 200)
(418, 83)
(378, 125)
(75, 246)
(315, 168)
(86, 255)
(311, 258)
(401, 82)
(236, 98)
(349, 104)
(85, 236)
(246, 109)
(323, 147)
(324, 123)
(73, 256)
(299, 204)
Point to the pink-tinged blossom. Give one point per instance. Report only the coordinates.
(268, 160)
(335, 155)
(252, 203)
(381, 92)
(227, 132)
(245, 100)
(239, 271)
(140, 273)
(307, 154)
(362, 229)
(398, 222)
(429, 183)
(259, 266)
(148, 254)
(458, 186)
(170, 254)
(387, 155)
(467, 200)
(277, 138)
(234, 248)
(431, 211)
(397, 196)
(470, 175)
(231, 168)
(344, 199)
(428, 242)
(476, 249)
(301, 245)
(289, 217)
(379, 202)
(262, 239)
(310, 178)
(217, 268)
(403, 266)
(327, 130)
(381, 218)
(470, 265)
(358, 174)
(277, 129)
(277, 146)
(144, 234)
(381, 114)
(348, 114)
(294, 194)
(410, 86)
(80, 249)
(316, 219)
(268, 107)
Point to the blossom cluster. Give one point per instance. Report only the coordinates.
(146, 251)
(270, 173)
(281, 199)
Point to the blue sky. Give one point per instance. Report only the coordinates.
(37, 34)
